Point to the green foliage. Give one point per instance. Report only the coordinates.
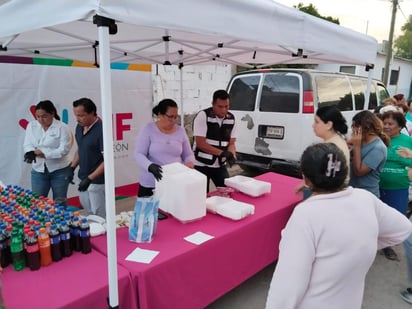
(403, 43)
(312, 10)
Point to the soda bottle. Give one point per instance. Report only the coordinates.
(44, 247)
(7, 233)
(48, 225)
(33, 251)
(37, 230)
(55, 243)
(58, 223)
(85, 236)
(16, 248)
(75, 234)
(65, 244)
(25, 232)
(4, 257)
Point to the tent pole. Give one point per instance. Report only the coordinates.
(369, 68)
(182, 111)
(106, 99)
(182, 114)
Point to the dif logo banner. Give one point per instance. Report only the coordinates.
(121, 124)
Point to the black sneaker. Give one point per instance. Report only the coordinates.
(390, 254)
(407, 295)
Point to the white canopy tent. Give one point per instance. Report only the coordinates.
(182, 32)
(227, 31)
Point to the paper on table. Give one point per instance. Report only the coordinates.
(198, 238)
(142, 255)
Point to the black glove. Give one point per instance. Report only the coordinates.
(84, 184)
(71, 175)
(230, 159)
(29, 157)
(156, 170)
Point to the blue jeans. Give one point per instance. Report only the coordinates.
(407, 245)
(58, 181)
(397, 199)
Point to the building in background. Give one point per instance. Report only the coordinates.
(400, 75)
(198, 84)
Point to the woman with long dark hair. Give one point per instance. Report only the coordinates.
(369, 146)
(329, 125)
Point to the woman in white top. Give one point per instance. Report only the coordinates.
(331, 238)
(330, 125)
(47, 144)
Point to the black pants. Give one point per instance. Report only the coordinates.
(144, 191)
(217, 174)
(147, 192)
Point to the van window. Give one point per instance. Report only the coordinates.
(382, 92)
(280, 93)
(373, 101)
(359, 88)
(243, 93)
(334, 90)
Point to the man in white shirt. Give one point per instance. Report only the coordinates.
(214, 131)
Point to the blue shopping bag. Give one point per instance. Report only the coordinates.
(143, 223)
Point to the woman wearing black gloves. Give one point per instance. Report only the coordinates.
(159, 143)
(47, 144)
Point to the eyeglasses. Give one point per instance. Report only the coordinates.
(171, 117)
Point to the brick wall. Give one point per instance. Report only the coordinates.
(199, 83)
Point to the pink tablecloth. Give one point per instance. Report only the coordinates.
(185, 275)
(80, 281)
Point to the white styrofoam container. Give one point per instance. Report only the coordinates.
(229, 208)
(182, 192)
(213, 202)
(248, 185)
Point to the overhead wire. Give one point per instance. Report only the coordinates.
(403, 14)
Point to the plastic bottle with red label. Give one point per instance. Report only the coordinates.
(32, 251)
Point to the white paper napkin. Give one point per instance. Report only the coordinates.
(198, 238)
(142, 255)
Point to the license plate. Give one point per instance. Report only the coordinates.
(274, 132)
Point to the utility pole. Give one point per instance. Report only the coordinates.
(390, 43)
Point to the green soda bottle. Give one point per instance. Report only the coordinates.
(17, 252)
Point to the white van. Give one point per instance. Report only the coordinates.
(274, 110)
